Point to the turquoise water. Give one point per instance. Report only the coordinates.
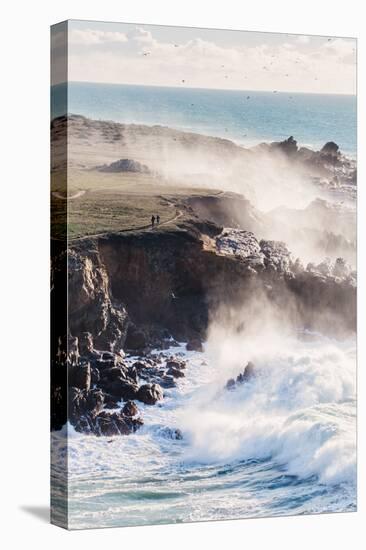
(247, 118)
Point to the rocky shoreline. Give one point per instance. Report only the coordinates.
(128, 309)
(127, 295)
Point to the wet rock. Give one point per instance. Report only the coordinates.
(132, 374)
(245, 376)
(150, 394)
(176, 373)
(135, 339)
(76, 405)
(112, 374)
(122, 389)
(167, 381)
(130, 409)
(95, 376)
(230, 384)
(80, 376)
(110, 402)
(86, 345)
(175, 363)
(94, 401)
(249, 371)
(171, 433)
(194, 344)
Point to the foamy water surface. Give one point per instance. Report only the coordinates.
(283, 443)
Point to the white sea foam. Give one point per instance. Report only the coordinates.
(298, 411)
(297, 415)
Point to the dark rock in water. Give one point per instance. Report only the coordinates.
(132, 373)
(110, 402)
(140, 365)
(125, 165)
(175, 363)
(130, 409)
(110, 424)
(245, 376)
(150, 393)
(112, 374)
(135, 339)
(177, 373)
(80, 376)
(167, 381)
(194, 344)
(230, 384)
(122, 389)
(249, 371)
(177, 434)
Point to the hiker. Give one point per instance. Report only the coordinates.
(157, 219)
(152, 220)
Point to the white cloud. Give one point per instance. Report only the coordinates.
(139, 58)
(90, 37)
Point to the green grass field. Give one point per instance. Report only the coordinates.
(102, 203)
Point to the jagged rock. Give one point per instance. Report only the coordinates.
(94, 401)
(240, 244)
(121, 389)
(245, 376)
(91, 308)
(150, 394)
(130, 409)
(277, 256)
(113, 374)
(80, 376)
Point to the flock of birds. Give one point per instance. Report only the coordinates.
(264, 68)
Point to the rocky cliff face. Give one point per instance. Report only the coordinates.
(92, 306)
(175, 279)
(139, 291)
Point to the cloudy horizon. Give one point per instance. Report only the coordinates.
(125, 53)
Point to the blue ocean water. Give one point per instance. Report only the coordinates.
(247, 118)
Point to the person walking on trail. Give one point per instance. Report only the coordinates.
(157, 219)
(152, 220)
